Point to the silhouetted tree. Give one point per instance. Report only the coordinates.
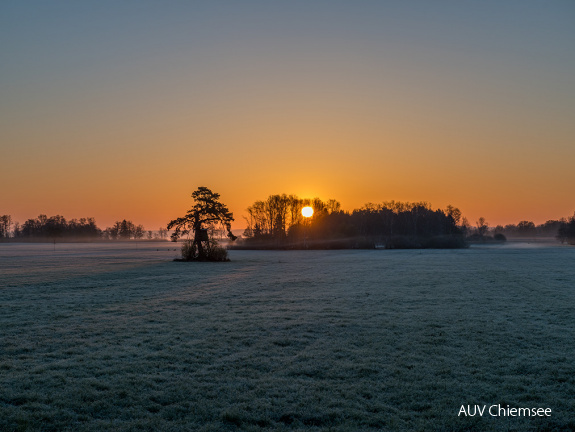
(111, 233)
(465, 226)
(295, 206)
(17, 231)
(162, 233)
(277, 209)
(57, 227)
(566, 232)
(139, 232)
(34, 227)
(271, 220)
(454, 213)
(124, 230)
(5, 226)
(482, 226)
(206, 212)
(526, 228)
(394, 224)
(333, 206)
(549, 228)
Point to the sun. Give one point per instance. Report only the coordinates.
(307, 212)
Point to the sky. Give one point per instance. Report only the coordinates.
(120, 110)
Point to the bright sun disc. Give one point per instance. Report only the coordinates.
(307, 212)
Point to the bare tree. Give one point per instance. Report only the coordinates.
(454, 213)
(482, 226)
(5, 226)
(162, 233)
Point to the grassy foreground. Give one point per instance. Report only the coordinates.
(307, 340)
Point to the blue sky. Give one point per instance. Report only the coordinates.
(384, 100)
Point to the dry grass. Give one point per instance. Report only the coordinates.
(100, 338)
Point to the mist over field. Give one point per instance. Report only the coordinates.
(117, 336)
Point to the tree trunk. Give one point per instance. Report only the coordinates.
(200, 246)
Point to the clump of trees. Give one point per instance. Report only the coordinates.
(277, 222)
(201, 222)
(523, 229)
(44, 228)
(57, 227)
(482, 232)
(527, 228)
(566, 232)
(399, 224)
(124, 230)
(276, 219)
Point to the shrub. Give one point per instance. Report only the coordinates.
(499, 237)
(213, 252)
(189, 250)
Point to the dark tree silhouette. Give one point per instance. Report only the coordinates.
(482, 227)
(44, 227)
(123, 230)
(526, 228)
(566, 232)
(273, 219)
(392, 224)
(454, 213)
(207, 212)
(5, 224)
(126, 229)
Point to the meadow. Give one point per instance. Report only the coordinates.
(118, 337)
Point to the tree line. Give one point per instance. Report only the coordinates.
(562, 229)
(57, 227)
(274, 217)
(277, 222)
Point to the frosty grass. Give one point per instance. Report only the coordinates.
(118, 337)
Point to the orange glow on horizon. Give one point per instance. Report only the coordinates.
(355, 104)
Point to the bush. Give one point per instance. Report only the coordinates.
(189, 250)
(213, 252)
(500, 237)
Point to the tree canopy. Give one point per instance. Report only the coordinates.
(277, 223)
(207, 212)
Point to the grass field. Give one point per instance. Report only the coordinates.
(109, 337)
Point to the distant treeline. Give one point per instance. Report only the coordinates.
(57, 227)
(277, 223)
(562, 229)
